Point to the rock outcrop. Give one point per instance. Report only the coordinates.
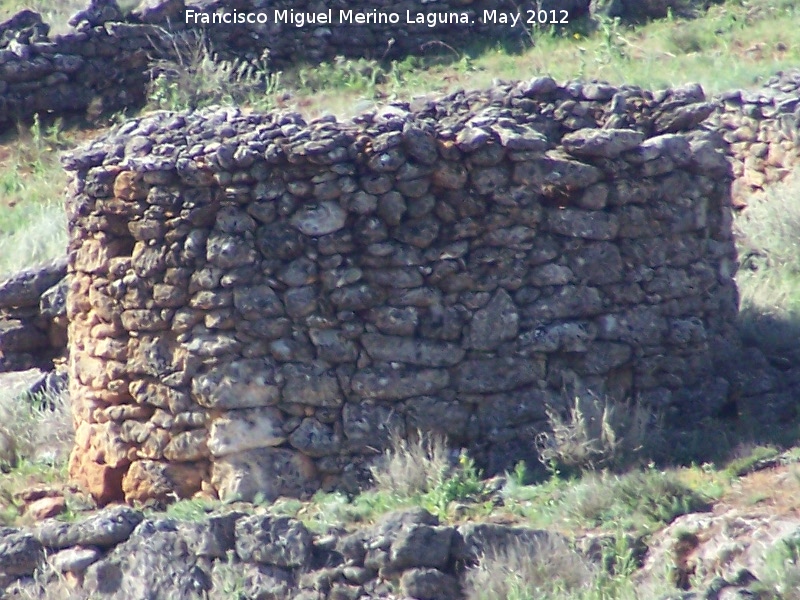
(118, 553)
(258, 303)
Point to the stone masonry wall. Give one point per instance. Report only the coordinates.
(761, 127)
(103, 62)
(33, 323)
(257, 303)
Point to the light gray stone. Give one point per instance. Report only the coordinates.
(245, 429)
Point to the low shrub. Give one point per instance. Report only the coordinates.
(595, 434)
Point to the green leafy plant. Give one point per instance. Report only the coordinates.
(360, 75)
(462, 484)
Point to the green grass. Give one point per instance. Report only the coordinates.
(32, 182)
(769, 276)
(639, 501)
(551, 570)
(735, 44)
(781, 572)
(41, 429)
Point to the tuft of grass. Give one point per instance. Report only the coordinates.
(415, 472)
(594, 434)
(411, 467)
(748, 458)
(196, 77)
(229, 581)
(357, 75)
(40, 430)
(639, 501)
(419, 470)
(550, 569)
(546, 569)
(40, 426)
(31, 232)
(780, 576)
(33, 224)
(192, 509)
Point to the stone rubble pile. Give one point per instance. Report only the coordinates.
(33, 322)
(120, 554)
(257, 304)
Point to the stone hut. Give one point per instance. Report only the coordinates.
(258, 303)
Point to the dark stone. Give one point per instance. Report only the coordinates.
(26, 287)
(429, 584)
(156, 562)
(497, 374)
(498, 322)
(278, 541)
(411, 351)
(20, 553)
(107, 528)
(386, 383)
(370, 426)
(421, 546)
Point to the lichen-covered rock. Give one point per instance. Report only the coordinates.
(136, 569)
(277, 541)
(606, 143)
(263, 473)
(429, 584)
(20, 553)
(494, 324)
(245, 429)
(421, 546)
(105, 529)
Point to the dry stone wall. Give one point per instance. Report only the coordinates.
(258, 303)
(761, 126)
(33, 322)
(103, 62)
(118, 553)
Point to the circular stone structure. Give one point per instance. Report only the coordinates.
(258, 304)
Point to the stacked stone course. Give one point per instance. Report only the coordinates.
(105, 62)
(121, 554)
(33, 323)
(761, 127)
(258, 303)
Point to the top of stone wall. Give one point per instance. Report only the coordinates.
(528, 116)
